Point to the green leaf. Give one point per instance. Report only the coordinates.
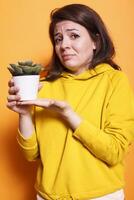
(24, 63)
(29, 62)
(25, 68)
(11, 70)
(13, 65)
(31, 70)
(17, 70)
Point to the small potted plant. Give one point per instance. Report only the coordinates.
(26, 77)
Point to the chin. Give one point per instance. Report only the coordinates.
(71, 66)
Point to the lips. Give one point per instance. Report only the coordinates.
(67, 56)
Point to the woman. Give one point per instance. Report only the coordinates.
(83, 120)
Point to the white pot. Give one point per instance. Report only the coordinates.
(28, 86)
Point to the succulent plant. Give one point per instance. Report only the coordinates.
(25, 68)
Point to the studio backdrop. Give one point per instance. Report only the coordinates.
(24, 35)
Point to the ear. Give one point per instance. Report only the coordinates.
(96, 43)
(94, 46)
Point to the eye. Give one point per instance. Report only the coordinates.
(74, 36)
(58, 40)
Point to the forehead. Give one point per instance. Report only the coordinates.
(68, 25)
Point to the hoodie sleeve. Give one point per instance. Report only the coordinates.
(111, 143)
(28, 146)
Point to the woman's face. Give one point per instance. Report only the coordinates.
(73, 45)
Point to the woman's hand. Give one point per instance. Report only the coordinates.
(13, 98)
(60, 107)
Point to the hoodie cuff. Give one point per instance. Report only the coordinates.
(86, 133)
(27, 143)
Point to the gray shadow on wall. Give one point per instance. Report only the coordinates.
(22, 169)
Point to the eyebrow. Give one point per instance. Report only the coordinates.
(68, 30)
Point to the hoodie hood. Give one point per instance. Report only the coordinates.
(99, 69)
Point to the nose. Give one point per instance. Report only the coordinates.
(65, 43)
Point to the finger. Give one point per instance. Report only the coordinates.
(40, 86)
(11, 83)
(13, 90)
(13, 98)
(26, 102)
(37, 102)
(11, 104)
(60, 104)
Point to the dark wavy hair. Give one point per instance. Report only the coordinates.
(96, 28)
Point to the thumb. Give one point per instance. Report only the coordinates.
(40, 86)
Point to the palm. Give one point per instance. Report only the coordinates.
(21, 109)
(56, 106)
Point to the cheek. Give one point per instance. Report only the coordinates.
(85, 51)
(56, 49)
(83, 46)
(88, 51)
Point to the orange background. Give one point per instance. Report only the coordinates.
(24, 35)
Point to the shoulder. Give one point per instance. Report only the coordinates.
(119, 82)
(115, 79)
(119, 79)
(115, 76)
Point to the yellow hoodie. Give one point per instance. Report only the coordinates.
(88, 162)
